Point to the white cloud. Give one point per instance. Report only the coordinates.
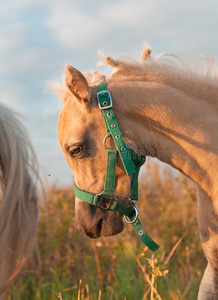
(122, 26)
(73, 28)
(127, 13)
(7, 7)
(11, 96)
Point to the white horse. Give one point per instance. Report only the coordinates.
(19, 201)
(162, 106)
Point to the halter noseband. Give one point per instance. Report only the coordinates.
(131, 162)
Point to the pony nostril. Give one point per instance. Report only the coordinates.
(99, 226)
(94, 232)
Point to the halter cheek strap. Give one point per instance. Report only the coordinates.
(131, 162)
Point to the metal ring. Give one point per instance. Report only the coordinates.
(136, 215)
(104, 142)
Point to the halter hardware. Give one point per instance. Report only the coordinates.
(135, 207)
(104, 104)
(102, 201)
(131, 162)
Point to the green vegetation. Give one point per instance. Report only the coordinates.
(67, 265)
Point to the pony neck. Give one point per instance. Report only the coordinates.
(179, 128)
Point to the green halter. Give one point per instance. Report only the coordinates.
(131, 162)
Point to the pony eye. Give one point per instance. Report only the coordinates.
(76, 151)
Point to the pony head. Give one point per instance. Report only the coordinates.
(81, 131)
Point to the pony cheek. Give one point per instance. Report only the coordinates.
(123, 189)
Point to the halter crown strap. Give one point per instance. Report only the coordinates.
(131, 162)
(105, 104)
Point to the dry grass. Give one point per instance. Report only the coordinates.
(69, 265)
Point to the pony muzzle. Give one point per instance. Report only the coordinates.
(95, 222)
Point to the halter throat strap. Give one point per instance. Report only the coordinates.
(131, 162)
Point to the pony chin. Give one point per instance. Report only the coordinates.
(95, 222)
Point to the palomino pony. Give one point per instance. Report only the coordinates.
(18, 200)
(163, 107)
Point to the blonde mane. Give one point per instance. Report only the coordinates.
(177, 71)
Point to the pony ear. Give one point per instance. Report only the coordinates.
(77, 84)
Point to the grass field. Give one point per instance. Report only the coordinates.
(67, 265)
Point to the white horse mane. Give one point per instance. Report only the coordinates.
(18, 200)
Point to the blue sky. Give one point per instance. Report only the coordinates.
(38, 37)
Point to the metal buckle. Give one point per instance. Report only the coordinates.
(132, 202)
(136, 215)
(109, 96)
(102, 198)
